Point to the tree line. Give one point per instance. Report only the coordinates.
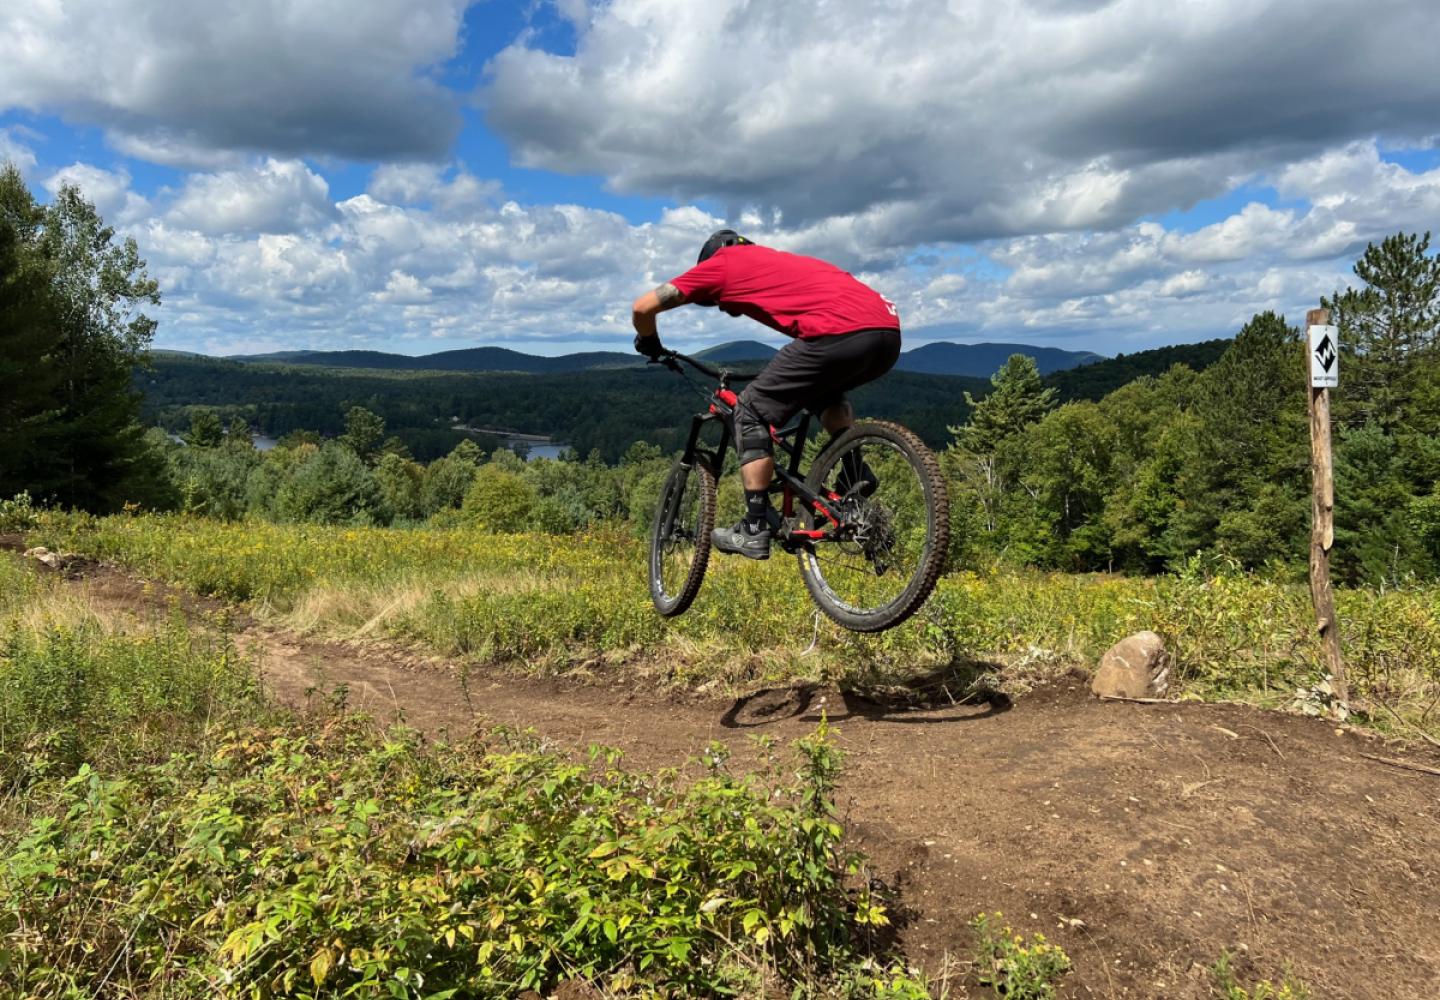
(1217, 462)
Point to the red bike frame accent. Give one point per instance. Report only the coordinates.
(724, 402)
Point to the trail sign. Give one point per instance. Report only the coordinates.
(1324, 356)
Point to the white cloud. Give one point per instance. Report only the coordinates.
(1185, 283)
(958, 120)
(108, 190)
(273, 197)
(13, 149)
(404, 289)
(426, 183)
(1256, 228)
(433, 257)
(177, 80)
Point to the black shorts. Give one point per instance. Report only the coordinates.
(816, 373)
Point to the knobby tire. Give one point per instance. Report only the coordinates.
(937, 544)
(680, 480)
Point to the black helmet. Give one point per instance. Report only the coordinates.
(721, 238)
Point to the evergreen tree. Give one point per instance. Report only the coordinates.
(238, 435)
(1243, 483)
(1017, 400)
(205, 429)
(1389, 329)
(986, 466)
(364, 431)
(84, 443)
(28, 378)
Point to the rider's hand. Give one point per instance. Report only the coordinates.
(649, 346)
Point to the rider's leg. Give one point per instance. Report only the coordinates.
(837, 418)
(756, 477)
(751, 536)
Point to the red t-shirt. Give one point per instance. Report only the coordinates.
(799, 296)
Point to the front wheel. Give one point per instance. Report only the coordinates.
(680, 537)
(882, 564)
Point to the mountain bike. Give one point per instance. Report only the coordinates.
(869, 555)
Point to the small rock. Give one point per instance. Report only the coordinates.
(44, 556)
(1135, 667)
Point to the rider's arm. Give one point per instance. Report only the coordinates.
(651, 304)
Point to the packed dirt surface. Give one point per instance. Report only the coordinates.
(1144, 839)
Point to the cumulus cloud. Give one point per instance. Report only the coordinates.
(263, 257)
(272, 197)
(926, 121)
(14, 149)
(108, 190)
(182, 82)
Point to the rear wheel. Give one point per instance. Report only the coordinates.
(680, 537)
(884, 563)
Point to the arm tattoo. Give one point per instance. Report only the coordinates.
(669, 295)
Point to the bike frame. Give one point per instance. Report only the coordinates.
(788, 482)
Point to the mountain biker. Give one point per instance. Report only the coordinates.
(844, 335)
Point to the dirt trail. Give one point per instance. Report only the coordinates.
(1142, 838)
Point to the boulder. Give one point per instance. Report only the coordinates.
(1135, 667)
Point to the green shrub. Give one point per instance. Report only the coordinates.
(550, 599)
(500, 500)
(213, 481)
(17, 514)
(1013, 967)
(338, 861)
(1226, 987)
(71, 693)
(400, 480)
(332, 486)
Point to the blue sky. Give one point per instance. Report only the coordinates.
(434, 174)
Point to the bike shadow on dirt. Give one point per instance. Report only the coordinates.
(960, 691)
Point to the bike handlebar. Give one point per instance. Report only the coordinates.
(703, 368)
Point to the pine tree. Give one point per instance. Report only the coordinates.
(28, 378)
(364, 431)
(1389, 329)
(205, 430)
(988, 470)
(85, 445)
(1017, 400)
(1243, 482)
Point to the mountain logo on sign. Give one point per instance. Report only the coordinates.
(1325, 353)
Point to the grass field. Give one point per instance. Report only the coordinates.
(558, 602)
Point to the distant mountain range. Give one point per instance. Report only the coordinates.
(978, 360)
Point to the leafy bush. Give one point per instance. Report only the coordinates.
(1014, 968)
(548, 600)
(332, 486)
(400, 480)
(448, 479)
(213, 481)
(71, 693)
(17, 514)
(1226, 987)
(500, 500)
(337, 861)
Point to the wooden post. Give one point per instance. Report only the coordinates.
(1322, 519)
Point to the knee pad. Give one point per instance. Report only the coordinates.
(752, 437)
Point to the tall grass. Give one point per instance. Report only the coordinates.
(74, 687)
(555, 602)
